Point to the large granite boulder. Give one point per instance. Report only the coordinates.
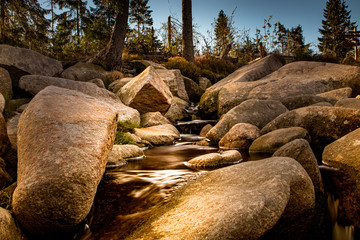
(152, 119)
(28, 61)
(164, 134)
(244, 201)
(175, 82)
(349, 103)
(9, 229)
(177, 110)
(147, 92)
(240, 136)
(212, 160)
(119, 154)
(324, 124)
(255, 112)
(337, 94)
(344, 153)
(64, 138)
(116, 85)
(35, 83)
(83, 72)
(193, 89)
(272, 141)
(209, 104)
(5, 83)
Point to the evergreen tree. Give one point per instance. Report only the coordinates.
(223, 31)
(140, 15)
(23, 23)
(337, 22)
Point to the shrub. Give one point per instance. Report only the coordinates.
(219, 68)
(186, 68)
(122, 128)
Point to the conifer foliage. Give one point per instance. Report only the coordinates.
(223, 31)
(336, 23)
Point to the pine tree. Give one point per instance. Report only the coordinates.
(223, 31)
(337, 22)
(23, 24)
(140, 15)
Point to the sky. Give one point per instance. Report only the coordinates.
(250, 14)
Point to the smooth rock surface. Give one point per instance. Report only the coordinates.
(119, 154)
(35, 83)
(29, 61)
(205, 130)
(272, 141)
(147, 92)
(302, 100)
(177, 110)
(324, 124)
(158, 135)
(64, 138)
(240, 136)
(337, 94)
(255, 112)
(243, 201)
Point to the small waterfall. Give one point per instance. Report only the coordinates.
(339, 232)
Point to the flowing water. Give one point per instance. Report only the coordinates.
(127, 196)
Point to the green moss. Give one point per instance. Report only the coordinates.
(122, 128)
(11, 106)
(5, 200)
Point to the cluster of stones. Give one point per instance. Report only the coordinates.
(57, 146)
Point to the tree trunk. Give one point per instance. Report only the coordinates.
(187, 43)
(169, 33)
(110, 56)
(226, 51)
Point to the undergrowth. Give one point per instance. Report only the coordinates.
(122, 128)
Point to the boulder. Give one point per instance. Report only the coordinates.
(243, 201)
(34, 84)
(83, 72)
(324, 124)
(349, 103)
(272, 141)
(212, 160)
(205, 130)
(322, 104)
(2, 103)
(9, 229)
(116, 85)
(28, 61)
(4, 140)
(119, 154)
(302, 100)
(337, 94)
(240, 136)
(152, 119)
(255, 112)
(248, 73)
(64, 138)
(193, 90)
(204, 84)
(177, 110)
(158, 135)
(5, 83)
(300, 150)
(344, 153)
(11, 129)
(174, 80)
(147, 92)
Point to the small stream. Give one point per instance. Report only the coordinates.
(127, 195)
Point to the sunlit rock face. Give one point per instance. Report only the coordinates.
(253, 111)
(324, 124)
(64, 138)
(244, 201)
(147, 92)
